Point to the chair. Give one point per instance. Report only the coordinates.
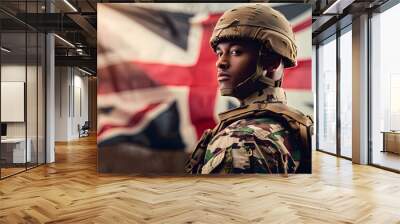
(84, 130)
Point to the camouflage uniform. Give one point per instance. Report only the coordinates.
(253, 145)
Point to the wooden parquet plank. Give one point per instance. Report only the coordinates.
(71, 191)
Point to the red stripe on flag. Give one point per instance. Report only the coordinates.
(167, 74)
(134, 120)
(303, 25)
(298, 77)
(202, 94)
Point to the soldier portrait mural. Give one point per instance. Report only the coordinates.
(204, 88)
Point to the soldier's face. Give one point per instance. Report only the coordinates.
(236, 61)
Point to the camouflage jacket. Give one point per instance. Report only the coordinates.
(253, 145)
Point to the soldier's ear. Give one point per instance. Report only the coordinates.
(271, 62)
(275, 73)
(275, 63)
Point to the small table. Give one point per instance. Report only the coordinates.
(13, 150)
(391, 141)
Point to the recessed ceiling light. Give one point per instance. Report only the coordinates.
(70, 5)
(64, 40)
(86, 72)
(5, 50)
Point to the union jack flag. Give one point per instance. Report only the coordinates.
(157, 76)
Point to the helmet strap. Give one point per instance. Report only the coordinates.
(255, 82)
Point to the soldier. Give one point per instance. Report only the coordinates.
(253, 44)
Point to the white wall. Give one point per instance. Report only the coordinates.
(33, 126)
(71, 94)
(15, 73)
(61, 103)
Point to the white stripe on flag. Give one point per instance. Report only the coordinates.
(303, 42)
(130, 41)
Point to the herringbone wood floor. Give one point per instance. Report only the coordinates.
(71, 191)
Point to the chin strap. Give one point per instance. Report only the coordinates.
(257, 81)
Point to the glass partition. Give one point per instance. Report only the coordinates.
(13, 94)
(327, 96)
(41, 96)
(22, 88)
(32, 85)
(31, 98)
(346, 92)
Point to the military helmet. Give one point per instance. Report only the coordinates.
(260, 23)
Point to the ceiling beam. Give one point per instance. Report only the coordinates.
(86, 26)
(85, 61)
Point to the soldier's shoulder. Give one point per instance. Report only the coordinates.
(269, 124)
(251, 128)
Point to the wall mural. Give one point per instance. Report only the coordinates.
(158, 89)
